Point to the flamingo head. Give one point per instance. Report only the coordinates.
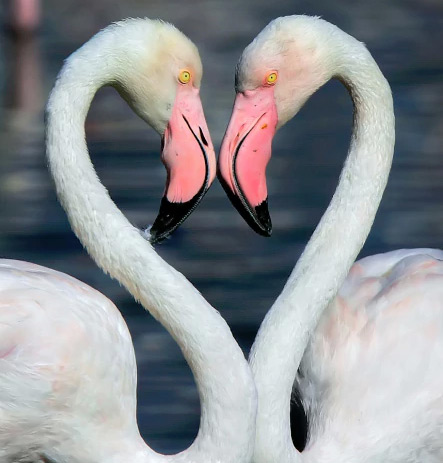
(275, 75)
(161, 82)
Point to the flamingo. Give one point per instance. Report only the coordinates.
(24, 16)
(67, 365)
(367, 338)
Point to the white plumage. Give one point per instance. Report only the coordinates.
(67, 367)
(370, 378)
(364, 344)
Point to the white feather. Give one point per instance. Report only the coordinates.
(67, 368)
(370, 374)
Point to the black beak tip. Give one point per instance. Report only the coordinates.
(155, 236)
(264, 224)
(169, 217)
(266, 232)
(257, 218)
(172, 215)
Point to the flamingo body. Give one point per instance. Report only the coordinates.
(372, 370)
(66, 357)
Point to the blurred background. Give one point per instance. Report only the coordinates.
(239, 272)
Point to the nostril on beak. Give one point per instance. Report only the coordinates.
(202, 136)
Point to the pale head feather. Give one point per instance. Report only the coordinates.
(144, 58)
(305, 52)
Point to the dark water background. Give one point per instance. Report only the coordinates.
(239, 272)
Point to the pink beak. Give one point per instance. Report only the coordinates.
(189, 158)
(245, 153)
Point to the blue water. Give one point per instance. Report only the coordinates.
(239, 272)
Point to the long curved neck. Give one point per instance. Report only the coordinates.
(326, 260)
(222, 375)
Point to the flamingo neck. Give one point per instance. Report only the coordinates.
(327, 258)
(222, 375)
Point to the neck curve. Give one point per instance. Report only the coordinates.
(222, 375)
(327, 258)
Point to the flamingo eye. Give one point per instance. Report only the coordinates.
(184, 77)
(272, 78)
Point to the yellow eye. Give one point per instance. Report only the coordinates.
(272, 78)
(184, 77)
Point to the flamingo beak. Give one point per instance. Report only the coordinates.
(245, 153)
(189, 158)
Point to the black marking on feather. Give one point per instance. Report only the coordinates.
(299, 421)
